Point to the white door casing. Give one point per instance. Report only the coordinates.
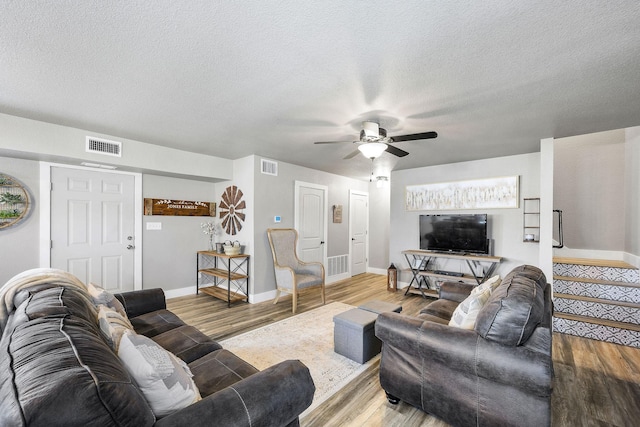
(311, 221)
(93, 225)
(358, 231)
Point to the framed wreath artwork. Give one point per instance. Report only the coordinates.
(231, 210)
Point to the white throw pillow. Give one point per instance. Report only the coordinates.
(100, 296)
(165, 380)
(491, 284)
(465, 314)
(113, 325)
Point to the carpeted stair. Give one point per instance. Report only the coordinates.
(597, 299)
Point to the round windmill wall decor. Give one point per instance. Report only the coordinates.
(231, 208)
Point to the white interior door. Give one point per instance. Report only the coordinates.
(311, 221)
(359, 231)
(92, 226)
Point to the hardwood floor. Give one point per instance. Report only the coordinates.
(596, 383)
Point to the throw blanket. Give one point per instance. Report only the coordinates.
(34, 277)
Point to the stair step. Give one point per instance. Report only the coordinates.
(596, 300)
(597, 329)
(597, 308)
(593, 262)
(596, 321)
(593, 289)
(594, 281)
(604, 270)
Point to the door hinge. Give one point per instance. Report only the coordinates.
(50, 244)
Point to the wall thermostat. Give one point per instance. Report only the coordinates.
(277, 218)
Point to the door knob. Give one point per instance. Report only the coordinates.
(130, 247)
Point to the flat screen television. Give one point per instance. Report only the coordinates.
(461, 233)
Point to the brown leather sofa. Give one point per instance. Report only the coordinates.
(499, 373)
(56, 369)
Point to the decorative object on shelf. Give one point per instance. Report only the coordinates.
(14, 201)
(178, 207)
(531, 220)
(210, 229)
(231, 208)
(232, 248)
(487, 193)
(392, 278)
(337, 214)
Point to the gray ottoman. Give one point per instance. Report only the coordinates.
(354, 335)
(378, 307)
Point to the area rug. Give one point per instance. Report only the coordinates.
(307, 337)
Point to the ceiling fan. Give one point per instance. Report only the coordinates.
(374, 141)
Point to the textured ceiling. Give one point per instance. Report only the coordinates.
(269, 78)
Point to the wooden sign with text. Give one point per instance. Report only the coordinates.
(178, 207)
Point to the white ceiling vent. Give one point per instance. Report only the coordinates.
(103, 146)
(269, 167)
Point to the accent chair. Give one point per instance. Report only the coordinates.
(292, 274)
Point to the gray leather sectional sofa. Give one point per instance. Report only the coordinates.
(498, 374)
(56, 369)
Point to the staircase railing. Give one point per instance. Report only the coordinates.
(560, 237)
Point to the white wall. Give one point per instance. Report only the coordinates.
(505, 225)
(589, 188)
(632, 194)
(32, 139)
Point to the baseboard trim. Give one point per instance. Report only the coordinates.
(181, 292)
(382, 271)
(336, 278)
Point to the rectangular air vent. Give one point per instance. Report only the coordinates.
(103, 146)
(269, 167)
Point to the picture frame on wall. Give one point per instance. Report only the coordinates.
(485, 193)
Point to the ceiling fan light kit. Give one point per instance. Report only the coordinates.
(372, 150)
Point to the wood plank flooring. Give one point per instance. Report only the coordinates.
(596, 383)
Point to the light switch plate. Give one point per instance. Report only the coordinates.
(154, 226)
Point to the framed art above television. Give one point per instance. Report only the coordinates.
(487, 193)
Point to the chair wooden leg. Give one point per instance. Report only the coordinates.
(295, 301)
(323, 296)
(275, 301)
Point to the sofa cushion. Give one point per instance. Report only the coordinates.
(442, 308)
(102, 297)
(218, 370)
(514, 308)
(164, 379)
(187, 342)
(490, 284)
(112, 325)
(50, 364)
(466, 313)
(60, 302)
(155, 322)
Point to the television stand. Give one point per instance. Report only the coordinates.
(425, 279)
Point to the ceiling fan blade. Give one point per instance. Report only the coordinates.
(330, 142)
(414, 136)
(396, 151)
(352, 155)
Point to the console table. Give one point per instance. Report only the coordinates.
(423, 272)
(232, 270)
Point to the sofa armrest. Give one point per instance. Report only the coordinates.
(455, 291)
(313, 268)
(467, 352)
(144, 301)
(273, 397)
